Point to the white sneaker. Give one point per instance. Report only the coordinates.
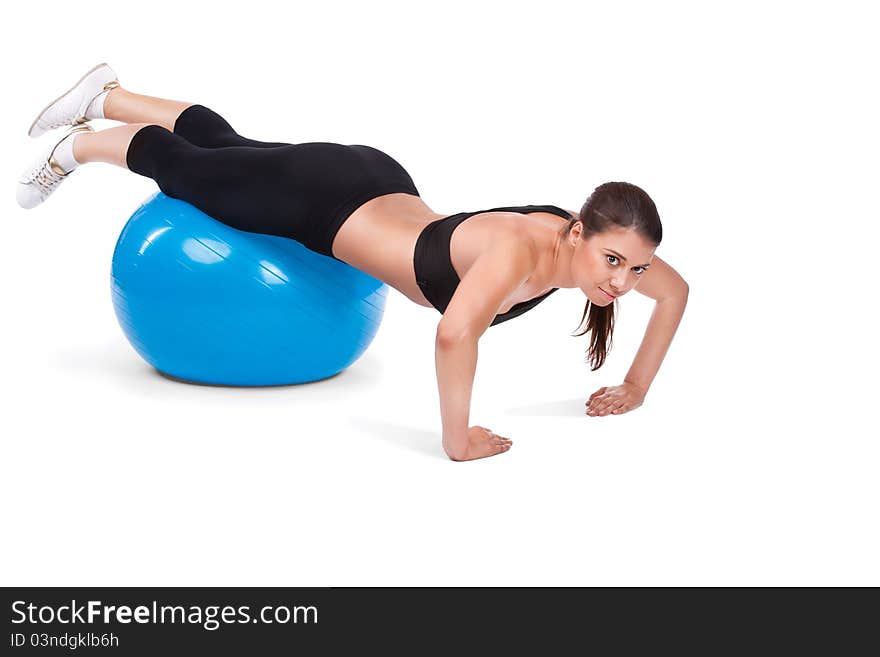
(45, 174)
(71, 107)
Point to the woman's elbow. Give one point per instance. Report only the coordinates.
(679, 293)
(450, 336)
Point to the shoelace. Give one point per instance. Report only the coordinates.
(74, 121)
(46, 179)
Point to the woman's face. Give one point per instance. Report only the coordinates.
(609, 263)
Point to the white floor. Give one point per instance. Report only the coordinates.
(752, 462)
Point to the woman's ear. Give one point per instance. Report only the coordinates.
(576, 232)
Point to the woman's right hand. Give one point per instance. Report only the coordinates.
(482, 442)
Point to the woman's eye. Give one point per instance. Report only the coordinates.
(614, 264)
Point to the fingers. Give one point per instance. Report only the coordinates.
(613, 407)
(603, 402)
(597, 393)
(594, 406)
(501, 445)
(491, 443)
(596, 401)
(613, 401)
(498, 444)
(493, 435)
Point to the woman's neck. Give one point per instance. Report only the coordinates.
(554, 261)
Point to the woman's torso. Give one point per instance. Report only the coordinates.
(379, 238)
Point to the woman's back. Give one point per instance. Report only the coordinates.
(380, 239)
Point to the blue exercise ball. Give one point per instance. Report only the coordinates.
(207, 303)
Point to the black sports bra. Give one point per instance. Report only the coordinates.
(435, 275)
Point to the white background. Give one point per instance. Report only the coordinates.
(754, 458)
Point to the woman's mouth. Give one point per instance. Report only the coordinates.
(610, 296)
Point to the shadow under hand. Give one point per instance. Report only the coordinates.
(562, 408)
(427, 443)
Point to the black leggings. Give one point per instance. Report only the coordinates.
(301, 191)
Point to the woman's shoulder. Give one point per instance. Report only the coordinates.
(531, 209)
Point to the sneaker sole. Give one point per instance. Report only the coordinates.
(43, 111)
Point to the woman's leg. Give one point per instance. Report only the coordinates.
(245, 187)
(195, 123)
(127, 107)
(108, 145)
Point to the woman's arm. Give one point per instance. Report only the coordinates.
(658, 336)
(456, 363)
(479, 295)
(663, 284)
(666, 286)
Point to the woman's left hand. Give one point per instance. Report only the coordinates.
(615, 400)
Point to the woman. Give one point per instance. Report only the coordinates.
(358, 205)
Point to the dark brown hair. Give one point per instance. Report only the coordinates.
(612, 204)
